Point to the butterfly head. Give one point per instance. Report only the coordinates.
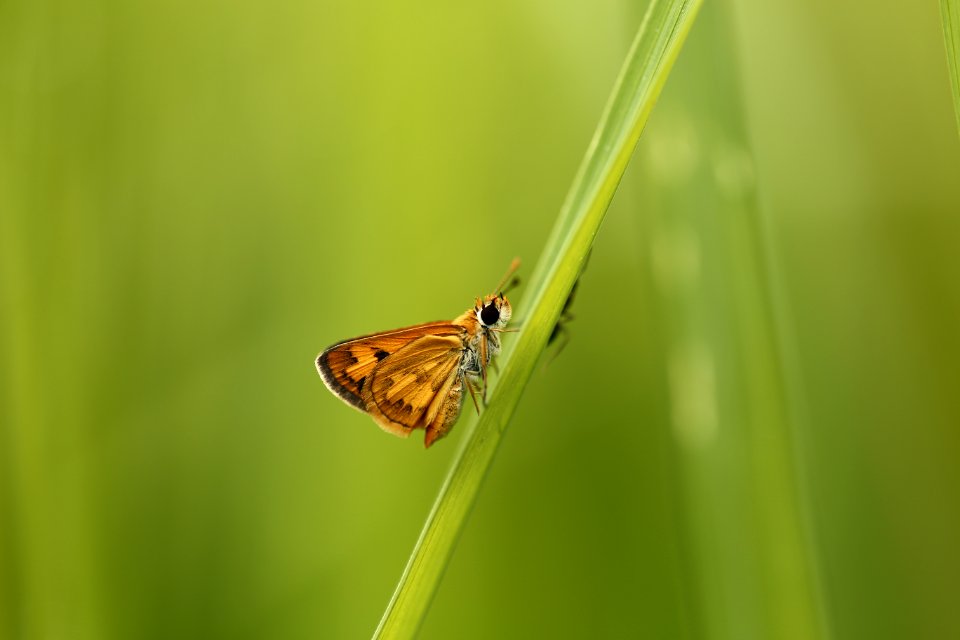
(493, 311)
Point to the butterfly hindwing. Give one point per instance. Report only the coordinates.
(408, 387)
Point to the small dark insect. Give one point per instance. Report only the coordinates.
(560, 329)
(560, 335)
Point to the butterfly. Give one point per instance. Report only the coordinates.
(414, 378)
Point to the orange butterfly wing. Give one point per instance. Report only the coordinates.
(399, 377)
(409, 387)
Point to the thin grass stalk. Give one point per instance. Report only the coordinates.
(950, 15)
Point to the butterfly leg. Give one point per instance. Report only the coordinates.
(484, 361)
(473, 393)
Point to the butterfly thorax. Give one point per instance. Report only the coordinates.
(482, 325)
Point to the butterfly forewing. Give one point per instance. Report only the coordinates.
(346, 367)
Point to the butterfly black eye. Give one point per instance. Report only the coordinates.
(490, 314)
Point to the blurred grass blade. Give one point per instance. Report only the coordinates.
(658, 41)
(950, 14)
(732, 399)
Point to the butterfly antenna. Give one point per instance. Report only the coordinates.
(510, 285)
(513, 268)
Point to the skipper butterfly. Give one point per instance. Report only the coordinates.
(414, 378)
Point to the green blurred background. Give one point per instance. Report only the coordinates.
(197, 198)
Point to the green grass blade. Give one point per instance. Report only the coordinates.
(950, 14)
(658, 41)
